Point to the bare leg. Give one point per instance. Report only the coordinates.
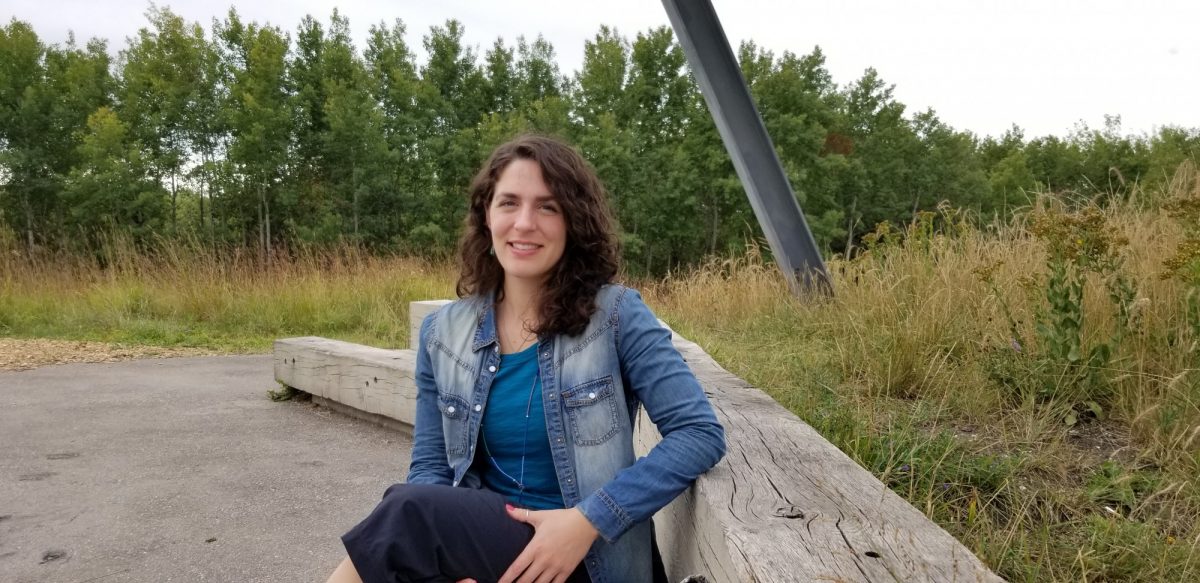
(345, 573)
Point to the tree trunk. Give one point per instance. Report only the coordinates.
(354, 185)
(209, 179)
(174, 193)
(261, 238)
(267, 220)
(716, 225)
(28, 223)
(201, 196)
(850, 226)
(203, 187)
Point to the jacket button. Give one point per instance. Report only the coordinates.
(591, 395)
(450, 409)
(478, 407)
(491, 369)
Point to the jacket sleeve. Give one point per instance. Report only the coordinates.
(692, 439)
(429, 463)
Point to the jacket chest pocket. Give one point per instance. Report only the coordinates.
(454, 422)
(592, 409)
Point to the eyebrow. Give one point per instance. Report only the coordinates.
(543, 198)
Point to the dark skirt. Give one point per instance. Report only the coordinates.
(424, 534)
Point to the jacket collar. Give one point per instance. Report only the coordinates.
(485, 324)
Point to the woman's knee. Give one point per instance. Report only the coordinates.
(418, 501)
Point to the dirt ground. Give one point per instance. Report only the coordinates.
(24, 354)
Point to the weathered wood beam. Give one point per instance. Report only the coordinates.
(784, 504)
(374, 380)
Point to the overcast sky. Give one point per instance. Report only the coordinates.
(982, 65)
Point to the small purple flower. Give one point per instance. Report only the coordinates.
(905, 468)
(1015, 345)
(945, 485)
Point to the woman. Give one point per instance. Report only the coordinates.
(527, 389)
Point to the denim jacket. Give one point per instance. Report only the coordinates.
(592, 386)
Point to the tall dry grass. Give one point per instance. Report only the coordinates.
(183, 292)
(914, 369)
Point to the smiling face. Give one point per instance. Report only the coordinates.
(528, 229)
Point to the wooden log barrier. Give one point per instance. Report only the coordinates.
(784, 504)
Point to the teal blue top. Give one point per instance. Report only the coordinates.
(514, 448)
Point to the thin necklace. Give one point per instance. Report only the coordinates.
(529, 334)
(520, 483)
(525, 330)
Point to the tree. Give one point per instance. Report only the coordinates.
(397, 87)
(657, 212)
(1057, 164)
(502, 79)
(1169, 148)
(947, 167)
(1112, 163)
(109, 190)
(310, 182)
(46, 94)
(162, 82)
(537, 72)
(260, 120)
(602, 79)
(796, 96)
(205, 130)
(453, 90)
(354, 146)
(877, 183)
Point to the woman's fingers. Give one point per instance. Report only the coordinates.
(545, 577)
(532, 518)
(538, 572)
(560, 540)
(518, 567)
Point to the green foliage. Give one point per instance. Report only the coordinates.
(46, 96)
(248, 134)
(284, 393)
(109, 192)
(1063, 367)
(1119, 489)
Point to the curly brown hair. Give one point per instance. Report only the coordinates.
(591, 256)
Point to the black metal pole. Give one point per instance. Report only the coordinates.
(720, 79)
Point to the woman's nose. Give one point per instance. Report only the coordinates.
(526, 220)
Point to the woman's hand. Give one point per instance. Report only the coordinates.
(561, 539)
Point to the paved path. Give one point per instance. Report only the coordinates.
(179, 470)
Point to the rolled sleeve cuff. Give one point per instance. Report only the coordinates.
(425, 478)
(606, 515)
